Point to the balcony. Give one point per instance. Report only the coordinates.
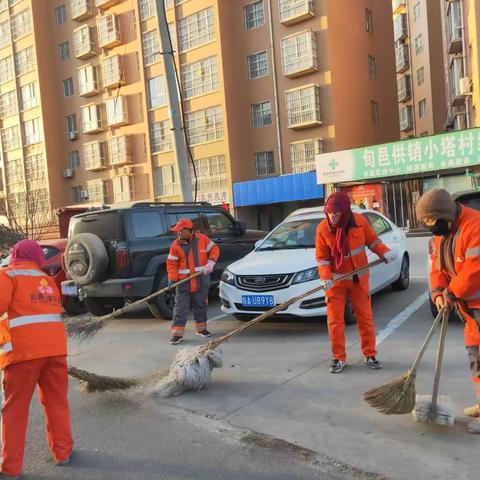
(402, 58)
(94, 158)
(88, 84)
(104, 4)
(117, 114)
(406, 118)
(97, 191)
(399, 6)
(113, 74)
(456, 75)
(299, 54)
(400, 28)
(123, 188)
(83, 43)
(109, 31)
(303, 107)
(91, 119)
(404, 88)
(120, 150)
(80, 9)
(295, 11)
(454, 28)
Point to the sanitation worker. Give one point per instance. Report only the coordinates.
(33, 349)
(341, 241)
(455, 272)
(190, 252)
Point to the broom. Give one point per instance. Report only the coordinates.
(192, 367)
(398, 396)
(86, 327)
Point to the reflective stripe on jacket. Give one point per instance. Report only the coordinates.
(360, 236)
(31, 325)
(185, 259)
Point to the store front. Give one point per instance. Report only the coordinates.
(391, 177)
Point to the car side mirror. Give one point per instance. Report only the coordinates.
(239, 228)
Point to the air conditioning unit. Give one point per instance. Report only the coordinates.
(72, 135)
(68, 173)
(128, 170)
(464, 85)
(84, 195)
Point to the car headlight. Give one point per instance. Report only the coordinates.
(228, 277)
(306, 276)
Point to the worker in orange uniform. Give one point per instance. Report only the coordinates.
(33, 349)
(455, 272)
(191, 252)
(340, 244)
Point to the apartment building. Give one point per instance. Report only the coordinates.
(420, 68)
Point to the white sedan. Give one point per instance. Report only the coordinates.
(283, 265)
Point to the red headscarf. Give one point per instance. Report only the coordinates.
(339, 202)
(28, 251)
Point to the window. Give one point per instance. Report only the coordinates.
(117, 110)
(97, 191)
(302, 155)
(77, 194)
(420, 76)
(161, 138)
(147, 225)
(108, 31)
(71, 121)
(60, 15)
(83, 44)
(24, 61)
(94, 156)
(299, 53)
(200, 77)
(416, 11)
(291, 9)
(32, 131)
(261, 114)
(196, 29)
(122, 188)
(147, 9)
(303, 106)
(20, 24)
(35, 167)
(422, 108)
(68, 87)
(74, 159)
(254, 15)
(91, 118)
(151, 47)
(166, 181)
(119, 150)
(28, 96)
(4, 33)
(64, 51)
(419, 44)
(375, 112)
(8, 104)
(379, 224)
(211, 174)
(265, 163)
(6, 69)
(406, 118)
(218, 224)
(257, 65)
(372, 67)
(204, 125)
(88, 80)
(81, 9)
(112, 71)
(368, 20)
(156, 92)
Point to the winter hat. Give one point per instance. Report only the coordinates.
(436, 204)
(28, 251)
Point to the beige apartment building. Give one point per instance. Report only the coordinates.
(84, 109)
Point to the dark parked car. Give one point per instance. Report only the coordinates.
(119, 254)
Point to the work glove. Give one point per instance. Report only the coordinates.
(170, 285)
(390, 256)
(208, 268)
(326, 284)
(449, 299)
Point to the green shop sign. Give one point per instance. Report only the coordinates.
(407, 157)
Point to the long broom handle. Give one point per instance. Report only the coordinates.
(438, 366)
(216, 342)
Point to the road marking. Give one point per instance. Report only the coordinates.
(218, 317)
(401, 318)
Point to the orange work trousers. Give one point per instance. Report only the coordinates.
(19, 383)
(358, 293)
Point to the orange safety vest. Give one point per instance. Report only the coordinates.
(360, 235)
(185, 259)
(31, 325)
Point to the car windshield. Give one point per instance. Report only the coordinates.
(291, 235)
(471, 201)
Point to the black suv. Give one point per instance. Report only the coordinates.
(118, 254)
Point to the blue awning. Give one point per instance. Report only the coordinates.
(285, 188)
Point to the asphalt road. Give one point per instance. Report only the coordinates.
(273, 411)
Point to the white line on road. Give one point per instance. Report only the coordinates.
(218, 317)
(401, 318)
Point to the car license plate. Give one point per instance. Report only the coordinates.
(70, 290)
(258, 301)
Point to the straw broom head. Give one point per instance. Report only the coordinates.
(83, 328)
(394, 398)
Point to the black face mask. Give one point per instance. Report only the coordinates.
(440, 228)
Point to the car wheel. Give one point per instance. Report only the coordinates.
(102, 306)
(73, 306)
(403, 280)
(349, 315)
(161, 306)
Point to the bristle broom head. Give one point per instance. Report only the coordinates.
(83, 328)
(100, 383)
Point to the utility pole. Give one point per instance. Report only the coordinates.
(175, 106)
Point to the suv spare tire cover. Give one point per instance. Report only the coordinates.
(86, 258)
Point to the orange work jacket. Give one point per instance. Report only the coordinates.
(31, 325)
(186, 258)
(360, 235)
